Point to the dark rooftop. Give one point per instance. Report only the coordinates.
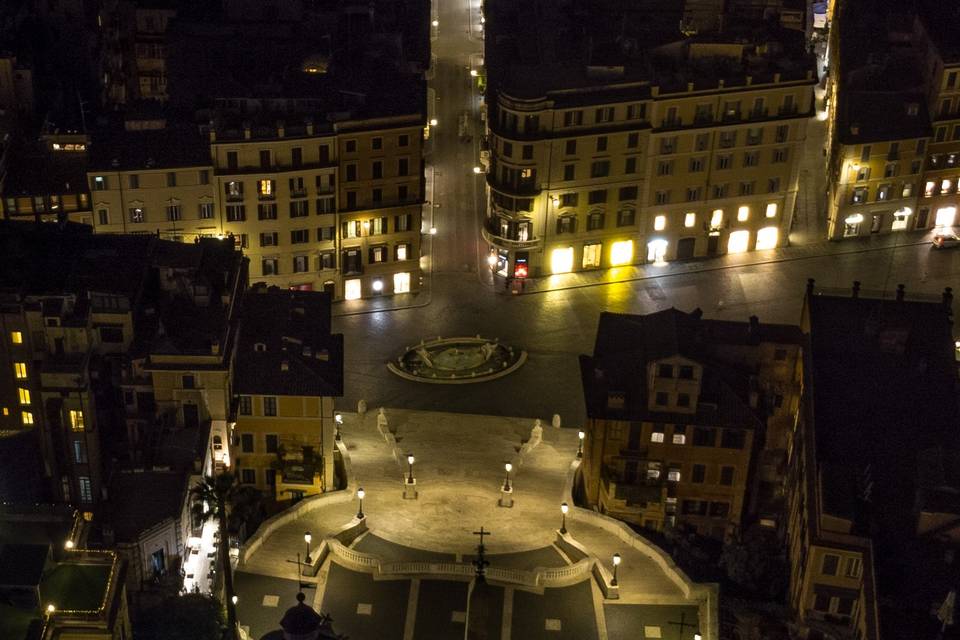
(285, 345)
(22, 564)
(175, 145)
(626, 343)
(34, 171)
(884, 384)
(140, 500)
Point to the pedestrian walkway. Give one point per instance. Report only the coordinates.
(457, 494)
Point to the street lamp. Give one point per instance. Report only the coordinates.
(477, 170)
(492, 260)
(563, 523)
(473, 73)
(50, 609)
(433, 231)
(360, 494)
(234, 599)
(580, 435)
(68, 544)
(616, 563)
(506, 482)
(435, 23)
(410, 467)
(433, 122)
(307, 538)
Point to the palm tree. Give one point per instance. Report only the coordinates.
(210, 501)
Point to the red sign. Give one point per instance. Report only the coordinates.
(520, 270)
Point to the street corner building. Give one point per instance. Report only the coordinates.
(614, 139)
(289, 372)
(688, 420)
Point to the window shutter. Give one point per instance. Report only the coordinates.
(383, 223)
(356, 226)
(343, 229)
(396, 223)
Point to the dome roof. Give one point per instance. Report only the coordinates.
(300, 618)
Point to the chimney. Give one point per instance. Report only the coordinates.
(309, 123)
(247, 133)
(281, 128)
(856, 288)
(810, 283)
(215, 347)
(900, 292)
(697, 313)
(212, 133)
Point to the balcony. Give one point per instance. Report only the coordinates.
(519, 188)
(636, 494)
(506, 243)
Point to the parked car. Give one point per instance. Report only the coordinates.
(945, 241)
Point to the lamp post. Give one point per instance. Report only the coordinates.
(580, 435)
(563, 523)
(506, 481)
(410, 468)
(360, 494)
(50, 610)
(68, 545)
(307, 538)
(338, 420)
(616, 563)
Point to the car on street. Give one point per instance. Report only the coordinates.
(945, 241)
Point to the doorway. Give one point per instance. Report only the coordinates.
(686, 248)
(876, 222)
(713, 244)
(191, 416)
(158, 562)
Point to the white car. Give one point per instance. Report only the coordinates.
(945, 241)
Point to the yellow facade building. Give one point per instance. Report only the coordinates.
(596, 164)
(289, 371)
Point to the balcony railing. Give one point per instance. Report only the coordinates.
(506, 243)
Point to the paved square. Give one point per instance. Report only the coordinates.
(665, 620)
(349, 593)
(569, 608)
(441, 610)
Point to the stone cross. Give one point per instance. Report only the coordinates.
(481, 562)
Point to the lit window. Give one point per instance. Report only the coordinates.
(772, 210)
(929, 188)
(738, 241)
(657, 251)
(901, 219)
(27, 417)
(24, 396)
(653, 470)
(401, 282)
(401, 252)
(20, 370)
(76, 420)
(561, 260)
(265, 187)
(621, 252)
(656, 436)
(16, 337)
(660, 223)
(767, 238)
(679, 438)
(716, 219)
(743, 214)
(946, 216)
(673, 475)
(352, 289)
(689, 220)
(945, 186)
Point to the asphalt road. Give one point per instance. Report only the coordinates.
(555, 327)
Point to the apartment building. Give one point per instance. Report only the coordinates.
(154, 178)
(289, 372)
(111, 340)
(677, 410)
(648, 148)
(45, 180)
(869, 554)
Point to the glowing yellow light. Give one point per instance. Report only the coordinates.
(352, 289)
(772, 210)
(743, 213)
(767, 238)
(16, 337)
(473, 73)
(660, 223)
(621, 252)
(738, 242)
(717, 218)
(656, 251)
(856, 218)
(561, 260)
(689, 220)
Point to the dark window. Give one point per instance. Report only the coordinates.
(732, 439)
(601, 143)
(600, 169)
(719, 509)
(821, 602)
(351, 146)
(703, 437)
(376, 143)
(699, 473)
(628, 193)
(780, 354)
(830, 565)
(351, 173)
(571, 147)
(633, 140)
(569, 171)
(597, 197)
(686, 372)
(377, 169)
(272, 442)
(527, 152)
(232, 160)
(265, 159)
(403, 141)
(111, 334)
(630, 166)
(270, 476)
(246, 442)
(403, 167)
(246, 405)
(683, 400)
(845, 606)
(189, 382)
(726, 475)
(662, 398)
(665, 371)
(296, 156)
(248, 476)
(269, 406)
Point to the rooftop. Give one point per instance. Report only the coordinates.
(140, 500)
(547, 45)
(626, 343)
(76, 586)
(34, 171)
(174, 145)
(285, 345)
(884, 385)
